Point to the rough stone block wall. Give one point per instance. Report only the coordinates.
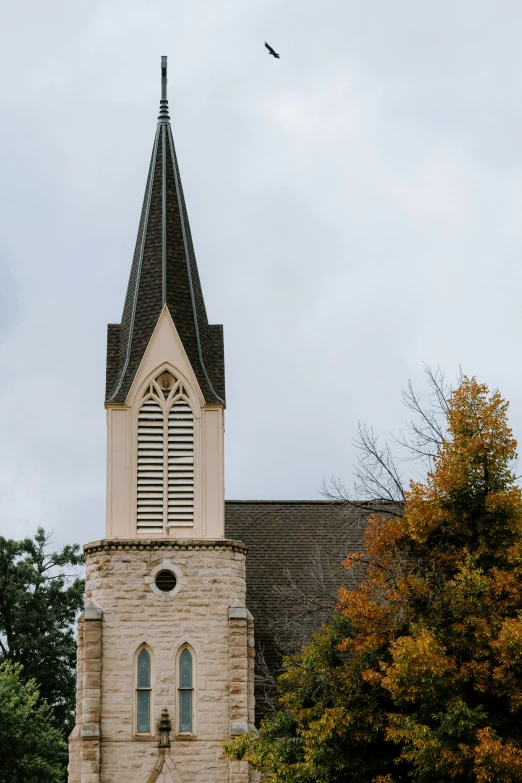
(125, 611)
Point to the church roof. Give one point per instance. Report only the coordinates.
(295, 558)
(164, 272)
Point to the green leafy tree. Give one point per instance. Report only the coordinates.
(426, 681)
(32, 748)
(311, 740)
(40, 596)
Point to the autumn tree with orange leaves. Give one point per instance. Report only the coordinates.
(419, 675)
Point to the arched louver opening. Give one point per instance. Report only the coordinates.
(150, 467)
(165, 482)
(181, 463)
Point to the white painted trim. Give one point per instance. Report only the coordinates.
(180, 376)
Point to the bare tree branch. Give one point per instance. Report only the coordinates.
(308, 599)
(427, 433)
(378, 478)
(378, 481)
(265, 680)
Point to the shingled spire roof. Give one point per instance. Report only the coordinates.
(164, 272)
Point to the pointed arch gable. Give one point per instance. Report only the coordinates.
(165, 342)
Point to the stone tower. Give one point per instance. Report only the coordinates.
(165, 644)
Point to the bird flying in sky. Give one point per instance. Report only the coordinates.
(271, 51)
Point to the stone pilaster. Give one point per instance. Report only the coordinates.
(241, 625)
(251, 669)
(91, 693)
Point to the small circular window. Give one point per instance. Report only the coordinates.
(165, 581)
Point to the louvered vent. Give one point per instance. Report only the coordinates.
(181, 464)
(150, 467)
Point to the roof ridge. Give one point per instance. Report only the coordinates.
(318, 502)
(282, 502)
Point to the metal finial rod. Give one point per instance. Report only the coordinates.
(164, 110)
(164, 78)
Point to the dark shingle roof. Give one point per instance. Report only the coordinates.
(164, 271)
(301, 541)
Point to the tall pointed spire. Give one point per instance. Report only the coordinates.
(164, 272)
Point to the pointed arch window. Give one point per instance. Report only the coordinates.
(143, 691)
(186, 691)
(165, 471)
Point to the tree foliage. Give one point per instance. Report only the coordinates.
(326, 731)
(426, 681)
(32, 748)
(40, 596)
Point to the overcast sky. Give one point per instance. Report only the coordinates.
(356, 209)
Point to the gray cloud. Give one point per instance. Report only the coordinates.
(356, 209)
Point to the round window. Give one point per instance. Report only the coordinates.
(165, 581)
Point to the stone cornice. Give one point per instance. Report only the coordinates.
(153, 544)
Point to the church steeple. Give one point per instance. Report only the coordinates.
(166, 622)
(164, 272)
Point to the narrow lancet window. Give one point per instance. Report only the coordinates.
(143, 692)
(185, 691)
